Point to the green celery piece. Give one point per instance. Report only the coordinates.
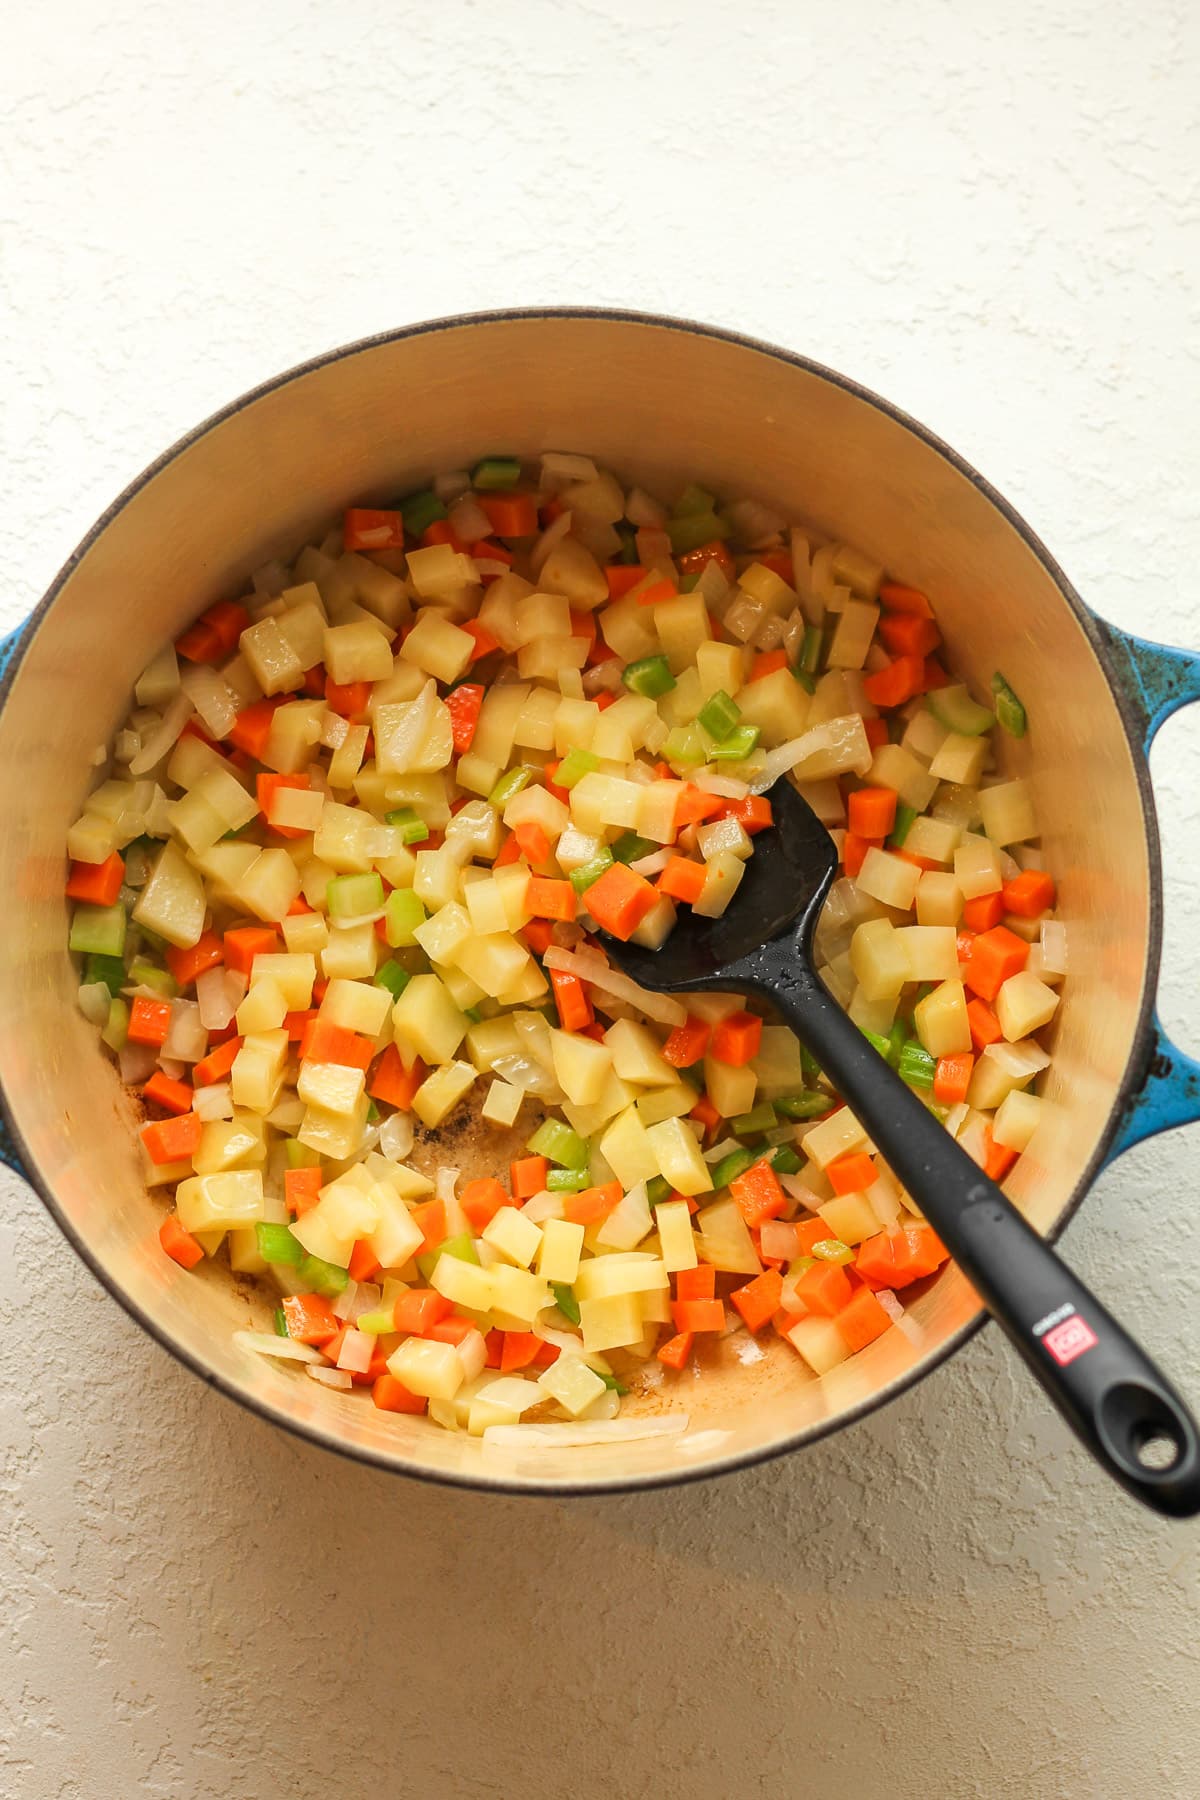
(731, 1166)
(810, 650)
(509, 786)
(565, 1301)
(805, 679)
(473, 1013)
(752, 1124)
(108, 969)
(402, 913)
(116, 1030)
(281, 1329)
(683, 744)
(420, 510)
(556, 1140)
(630, 848)
(611, 1382)
(582, 878)
(720, 715)
(897, 1038)
(694, 499)
(803, 1106)
(906, 817)
(415, 830)
(628, 552)
(698, 528)
(496, 473)
(833, 1250)
(462, 1247)
(148, 974)
(784, 1161)
(567, 1181)
(355, 896)
(574, 766)
(916, 1066)
(377, 1323)
(277, 1245)
(321, 1277)
(881, 1044)
(1009, 709)
(809, 1063)
(689, 583)
(737, 745)
(954, 708)
(392, 977)
(372, 1113)
(649, 676)
(658, 1189)
(98, 930)
(299, 1156)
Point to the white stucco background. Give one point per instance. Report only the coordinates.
(989, 214)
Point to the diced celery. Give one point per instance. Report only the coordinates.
(805, 680)
(277, 1245)
(108, 969)
(321, 1277)
(392, 977)
(754, 1123)
(402, 913)
(650, 676)
(496, 472)
(731, 1166)
(954, 707)
(565, 1301)
(684, 744)
(720, 715)
(574, 766)
(414, 830)
(784, 1161)
(461, 1247)
(98, 930)
(567, 1181)
(658, 1189)
(419, 512)
(881, 1044)
(833, 1250)
(694, 529)
(117, 1029)
(555, 1140)
(916, 1066)
(355, 896)
(906, 817)
(582, 879)
(509, 786)
(630, 848)
(281, 1329)
(299, 1156)
(810, 650)
(737, 745)
(1009, 709)
(378, 1322)
(803, 1106)
(694, 499)
(147, 974)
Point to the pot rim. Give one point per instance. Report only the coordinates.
(1131, 1079)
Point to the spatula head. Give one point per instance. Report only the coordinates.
(775, 909)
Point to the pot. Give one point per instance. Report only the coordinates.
(659, 400)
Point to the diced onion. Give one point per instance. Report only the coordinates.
(468, 520)
(755, 524)
(215, 704)
(727, 786)
(571, 1346)
(449, 486)
(590, 967)
(522, 1072)
(137, 1063)
(561, 466)
(214, 1101)
(795, 1189)
(164, 736)
(267, 1343)
(187, 1037)
(95, 1002)
(558, 528)
(334, 1378)
(217, 1004)
(652, 864)
(834, 747)
(594, 1431)
(642, 508)
(1054, 946)
(396, 1136)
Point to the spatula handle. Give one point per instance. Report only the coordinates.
(1106, 1387)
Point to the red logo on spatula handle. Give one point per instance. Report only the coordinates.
(1070, 1339)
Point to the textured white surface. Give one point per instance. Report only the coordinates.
(987, 213)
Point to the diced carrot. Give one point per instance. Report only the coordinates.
(463, 703)
(876, 732)
(621, 577)
(571, 999)
(348, 698)
(419, 1309)
(252, 727)
(699, 1283)
(698, 1315)
(217, 1064)
(1029, 893)
(302, 1189)
(687, 1043)
(736, 1039)
(895, 598)
(768, 662)
(899, 1256)
(149, 1020)
(309, 1318)
(963, 940)
(683, 879)
(583, 625)
(172, 1096)
(550, 899)
(527, 1176)
(430, 1220)
(779, 562)
(808, 1233)
(753, 814)
(453, 1329)
(369, 528)
(494, 1345)
(485, 641)
(185, 965)
(675, 1352)
(544, 1355)
(852, 1174)
(694, 562)
(297, 1023)
(98, 884)
(620, 900)
(705, 1113)
(481, 1200)
(179, 1244)
(985, 1026)
(391, 1395)
(898, 682)
(995, 955)
(534, 846)
(245, 943)
(759, 1300)
(693, 806)
(490, 549)
(509, 852)
(326, 1043)
(519, 1350)
(854, 851)
(510, 515)
(908, 634)
(918, 862)
(757, 1194)
(657, 591)
(364, 1264)
(299, 907)
(861, 1320)
(999, 1160)
(538, 934)
(593, 1204)
(441, 531)
(871, 812)
(984, 911)
(266, 787)
(824, 1289)
(215, 633)
(952, 1078)
(392, 1082)
(601, 652)
(314, 682)
(935, 675)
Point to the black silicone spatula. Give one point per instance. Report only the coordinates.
(1128, 1415)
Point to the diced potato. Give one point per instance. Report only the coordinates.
(977, 867)
(849, 1217)
(852, 635)
(939, 899)
(426, 1021)
(517, 1295)
(497, 722)
(559, 1251)
(941, 1023)
(396, 1236)
(621, 728)
(581, 1066)
(358, 652)
(674, 1102)
(444, 932)
(677, 1154)
(443, 650)
(627, 1149)
(720, 668)
(778, 1066)
(305, 933)
(1007, 812)
(414, 737)
(835, 1136)
(936, 839)
(354, 1005)
(476, 774)
(731, 1090)
(501, 1105)
(878, 958)
(610, 1323)
(724, 1239)
(932, 951)
(924, 735)
(496, 962)
(296, 809)
(223, 1202)
(257, 1071)
(441, 1092)
(264, 1008)
(1024, 1004)
(571, 570)
(722, 878)
(275, 664)
(427, 1367)
(536, 805)
(637, 1055)
(889, 878)
(893, 767)
(513, 1237)
(676, 1236)
(462, 1283)
(335, 1135)
(599, 801)
(629, 1223)
(294, 735)
(777, 704)
(244, 1258)
(172, 903)
(294, 976)
(960, 759)
(351, 953)
(237, 1143)
(820, 1343)
(682, 626)
(574, 722)
(656, 811)
(534, 728)
(571, 1383)
(1016, 1120)
(334, 1086)
(269, 885)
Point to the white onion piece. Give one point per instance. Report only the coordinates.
(597, 1431)
(137, 1063)
(899, 1316)
(727, 786)
(522, 1072)
(215, 703)
(652, 864)
(605, 678)
(724, 1148)
(755, 524)
(334, 731)
(654, 549)
(126, 745)
(175, 1070)
(358, 1347)
(164, 736)
(769, 635)
(266, 1343)
(795, 1189)
(187, 1038)
(396, 1136)
(1021, 1060)
(831, 748)
(590, 967)
(217, 1006)
(642, 508)
(95, 1002)
(137, 866)
(1054, 946)
(468, 520)
(560, 467)
(445, 1189)
(449, 486)
(487, 565)
(714, 586)
(571, 1346)
(558, 528)
(780, 1239)
(214, 1101)
(334, 1378)
(544, 1205)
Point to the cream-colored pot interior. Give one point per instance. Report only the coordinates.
(658, 403)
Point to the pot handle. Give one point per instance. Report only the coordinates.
(8, 1152)
(1154, 681)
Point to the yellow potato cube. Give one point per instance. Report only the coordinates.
(894, 767)
(559, 1251)
(292, 974)
(960, 759)
(571, 1383)
(1023, 1005)
(849, 1217)
(610, 1323)
(1016, 1120)
(443, 650)
(334, 1086)
(497, 963)
(1007, 812)
(264, 1008)
(463, 1283)
(820, 1343)
(357, 652)
(516, 1294)
(932, 951)
(355, 1005)
(257, 1070)
(730, 1090)
(835, 1136)
(878, 959)
(581, 1066)
(677, 1154)
(722, 877)
(602, 801)
(501, 1104)
(443, 934)
(513, 1237)
(351, 954)
(623, 1272)
(427, 1367)
(627, 1149)
(977, 867)
(939, 899)
(273, 661)
(335, 1135)
(720, 668)
(941, 1022)
(237, 1143)
(441, 1092)
(221, 1202)
(676, 1236)
(426, 1021)
(889, 878)
(637, 1054)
